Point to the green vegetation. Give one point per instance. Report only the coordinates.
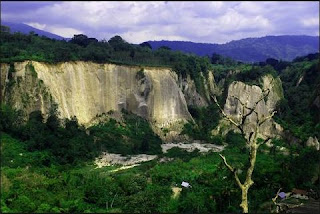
(30, 68)
(134, 136)
(71, 144)
(206, 119)
(30, 185)
(140, 74)
(300, 81)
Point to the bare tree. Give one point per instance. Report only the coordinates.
(251, 141)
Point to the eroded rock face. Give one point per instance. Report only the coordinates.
(249, 95)
(188, 88)
(313, 142)
(85, 90)
(192, 96)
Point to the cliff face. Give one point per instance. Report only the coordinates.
(250, 95)
(85, 90)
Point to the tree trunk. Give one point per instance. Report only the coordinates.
(248, 182)
(251, 142)
(244, 197)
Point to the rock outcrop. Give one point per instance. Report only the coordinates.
(192, 95)
(189, 90)
(250, 94)
(313, 142)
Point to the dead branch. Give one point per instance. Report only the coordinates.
(239, 126)
(264, 142)
(232, 170)
(277, 195)
(267, 118)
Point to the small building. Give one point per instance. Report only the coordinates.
(299, 193)
(185, 184)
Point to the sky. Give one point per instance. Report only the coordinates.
(196, 21)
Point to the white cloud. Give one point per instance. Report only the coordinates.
(145, 35)
(208, 22)
(310, 22)
(66, 32)
(36, 25)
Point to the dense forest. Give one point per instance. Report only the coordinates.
(47, 165)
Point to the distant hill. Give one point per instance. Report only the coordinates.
(250, 49)
(23, 28)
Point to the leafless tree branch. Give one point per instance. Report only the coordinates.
(232, 170)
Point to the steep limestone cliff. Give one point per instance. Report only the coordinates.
(85, 90)
(251, 94)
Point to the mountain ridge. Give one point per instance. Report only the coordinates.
(284, 47)
(25, 29)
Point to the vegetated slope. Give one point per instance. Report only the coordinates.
(26, 29)
(285, 47)
(298, 111)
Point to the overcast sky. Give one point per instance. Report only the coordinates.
(136, 22)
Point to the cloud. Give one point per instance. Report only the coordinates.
(207, 22)
(311, 22)
(36, 25)
(66, 32)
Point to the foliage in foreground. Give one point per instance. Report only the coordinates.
(28, 185)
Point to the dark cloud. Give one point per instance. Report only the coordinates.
(210, 22)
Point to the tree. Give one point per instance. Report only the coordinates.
(5, 29)
(165, 48)
(82, 40)
(119, 44)
(216, 59)
(251, 142)
(146, 44)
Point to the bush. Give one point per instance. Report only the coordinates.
(235, 139)
(135, 137)
(176, 152)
